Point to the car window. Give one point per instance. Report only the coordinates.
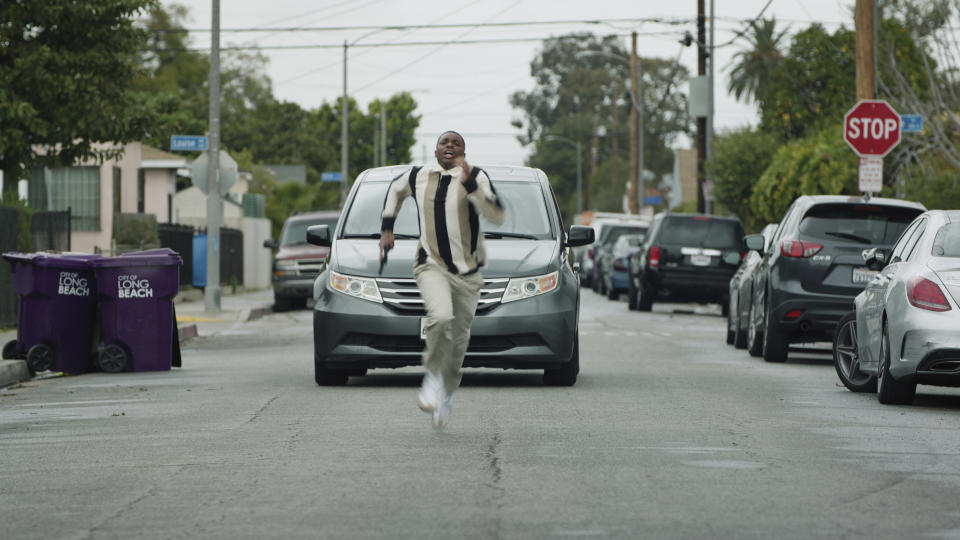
(860, 223)
(702, 231)
(612, 233)
(947, 241)
(295, 232)
(905, 236)
(524, 206)
(915, 241)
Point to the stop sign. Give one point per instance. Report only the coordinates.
(871, 128)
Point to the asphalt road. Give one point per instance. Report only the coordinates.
(669, 433)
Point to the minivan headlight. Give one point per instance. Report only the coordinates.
(520, 288)
(364, 288)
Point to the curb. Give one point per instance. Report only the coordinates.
(13, 371)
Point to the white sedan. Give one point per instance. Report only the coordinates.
(906, 327)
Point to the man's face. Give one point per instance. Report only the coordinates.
(449, 150)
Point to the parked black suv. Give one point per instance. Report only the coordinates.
(814, 266)
(686, 258)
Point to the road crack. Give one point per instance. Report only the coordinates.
(259, 412)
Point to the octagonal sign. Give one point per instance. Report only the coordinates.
(871, 128)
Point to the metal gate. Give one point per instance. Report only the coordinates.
(180, 239)
(8, 242)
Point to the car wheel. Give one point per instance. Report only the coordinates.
(846, 357)
(281, 304)
(739, 333)
(731, 324)
(565, 375)
(774, 342)
(889, 390)
(725, 308)
(631, 296)
(644, 297)
(326, 376)
(613, 294)
(754, 336)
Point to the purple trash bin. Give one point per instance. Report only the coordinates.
(136, 293)
(58, 301)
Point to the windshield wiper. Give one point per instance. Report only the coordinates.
(377, 235)
(849, 236)
(509, 235)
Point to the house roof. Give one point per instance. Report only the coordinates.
(154, 158)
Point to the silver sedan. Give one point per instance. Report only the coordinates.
(906, 327)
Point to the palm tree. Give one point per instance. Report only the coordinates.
(751, 68)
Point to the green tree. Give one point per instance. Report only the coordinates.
(816, 165)
(739, 160)
(751, 67)
(66, 71)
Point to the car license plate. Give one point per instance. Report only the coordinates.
(863, 275)
(700, 260)
(423, 328)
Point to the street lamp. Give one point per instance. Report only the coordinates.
(579, 148)
(636, 100)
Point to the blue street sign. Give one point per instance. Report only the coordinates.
(911, 123)
(653, 199)
(188, 143)
(331, 177)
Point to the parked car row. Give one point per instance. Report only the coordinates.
(878, 278)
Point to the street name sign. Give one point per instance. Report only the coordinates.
(871, 128)
(912, 123)
(331, 177)
(188, 143)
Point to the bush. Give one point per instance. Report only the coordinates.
(138, 230)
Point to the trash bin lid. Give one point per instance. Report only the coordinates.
(145, 259)
(70, 261)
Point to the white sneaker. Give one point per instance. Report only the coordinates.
(441, 415)
(431, 392)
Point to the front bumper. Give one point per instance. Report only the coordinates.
(534, 333)
(293, 287)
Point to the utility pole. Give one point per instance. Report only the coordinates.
(343, 132)
(383, 132)
(701, 120)
(211, 293)
(866, 49)
(710, 82)
(636, 160)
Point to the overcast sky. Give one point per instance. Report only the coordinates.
(466, 86)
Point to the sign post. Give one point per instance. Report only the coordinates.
(872, 129)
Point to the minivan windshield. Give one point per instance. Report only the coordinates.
(295, 232)
(524, 205)
(858, 223)
(702, 231)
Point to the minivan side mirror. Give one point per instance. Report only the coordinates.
(319, 235)
(270, 243)
(580, 236)
(754, 242)
(875, 258)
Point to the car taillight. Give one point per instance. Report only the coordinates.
(590, 252)
(925, 294)
(796, 248)
(653, 261)
(619, 265)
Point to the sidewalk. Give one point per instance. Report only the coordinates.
(192, 321)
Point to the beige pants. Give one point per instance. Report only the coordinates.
(451, 303)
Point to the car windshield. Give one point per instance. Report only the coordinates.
(947, 241)
(858, 223)
(295, 232)
(525, 213)
(611, 233)
(702, 231)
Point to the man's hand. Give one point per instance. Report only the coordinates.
(386, 243)
(462, 163)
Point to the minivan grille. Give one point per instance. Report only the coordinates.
(403, 296)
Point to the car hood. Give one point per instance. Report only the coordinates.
(505, 258)
(302, 251)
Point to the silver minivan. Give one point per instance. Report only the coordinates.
(527, 317)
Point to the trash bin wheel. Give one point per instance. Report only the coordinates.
(113, 359)
(10, 350)
(40, 358)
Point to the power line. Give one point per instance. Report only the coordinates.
(656, 20)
